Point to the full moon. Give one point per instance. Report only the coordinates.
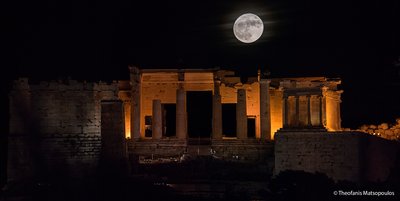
(248, 28)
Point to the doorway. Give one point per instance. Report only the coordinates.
(251, 126)
(229, 119)
(199, 113)
(169, 120)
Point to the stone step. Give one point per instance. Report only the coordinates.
(199, 150)
(199, 141)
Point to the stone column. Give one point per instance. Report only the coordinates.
(135, 107)
(241, 114)
(265, 115)
(156, 125)
(297, 118)
(180, 113)
(285, 112)
(320, 111)
(217, 112)
(309, 111)
(339, 120)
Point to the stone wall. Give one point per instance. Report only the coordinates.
(250, 150)
(113, 160)
(55, 127)
(157, 148)
(352, 156)
(384, 130)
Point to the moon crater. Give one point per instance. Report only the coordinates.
(248, 28)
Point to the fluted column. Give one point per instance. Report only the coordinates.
(135, 107)
(157, 120)
(217, 112)
(297, 118)
(309, 111)
(339, 120)
(265, 115)
(241, 114)
(285, 108)
(181, 132)
(320, 98)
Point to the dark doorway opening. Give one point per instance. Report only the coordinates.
(148, 132)
(251, 127)
(229, 119)
(199, 113)
(169, 120)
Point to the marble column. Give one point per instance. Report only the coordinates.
(309, 111)
(181, 132)
(135, 107)
(297, 118)
(339, 120)
(156, 123)
(241, 114)
(265, 115)
(285, 108)
(217, 112)
(320, 98)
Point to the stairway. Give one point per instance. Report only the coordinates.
(198, 150)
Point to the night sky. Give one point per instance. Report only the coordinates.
(94, 40)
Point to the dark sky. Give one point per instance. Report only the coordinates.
(96, 40)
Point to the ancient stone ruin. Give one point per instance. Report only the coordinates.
(72, 128)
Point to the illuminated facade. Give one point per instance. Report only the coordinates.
(261, 105)
(161, 113)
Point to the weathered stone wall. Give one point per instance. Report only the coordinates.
(55, 127)
(250, 150)
(157, 148)
(384, 130)
(113, 153)
(352, 156)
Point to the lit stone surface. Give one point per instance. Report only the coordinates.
(157, 120)
(241, 117)
(351, 156)
(66, 116)
(60, 123)
(181, 131)
(217, 112)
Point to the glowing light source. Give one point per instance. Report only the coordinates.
(248, 28)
